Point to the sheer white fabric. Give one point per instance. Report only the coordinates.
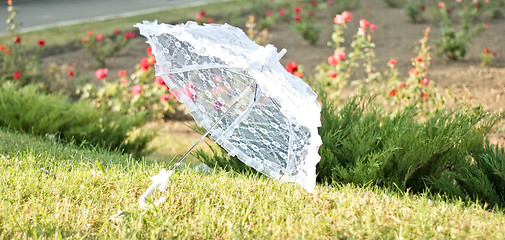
(273, 128)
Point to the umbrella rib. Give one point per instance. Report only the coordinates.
(195, 67)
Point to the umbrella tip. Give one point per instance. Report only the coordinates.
(281, 53)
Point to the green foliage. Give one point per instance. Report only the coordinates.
(395, 3)
(455, 43)
(495, 8)
(142, 92)
(101, 48)
(308, 29)
(219, 158)
(305, 23)
(483, 179)
(365, 145)
(29, 110)
(487, 58)
(414, 10)
(19, 63)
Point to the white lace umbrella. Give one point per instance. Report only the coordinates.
(242, 95)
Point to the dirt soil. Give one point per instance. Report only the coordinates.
(395, 38)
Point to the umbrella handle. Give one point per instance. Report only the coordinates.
(160, 182)
(281, 53)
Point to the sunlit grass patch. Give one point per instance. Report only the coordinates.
(51, 190)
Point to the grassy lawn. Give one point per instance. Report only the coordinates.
(52, 190)
(74, 33)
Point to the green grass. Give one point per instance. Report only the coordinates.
(74, 33)
(52, 190)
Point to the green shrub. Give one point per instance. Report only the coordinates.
(454, 43)
(395, 3)
(444, 152)
(482, 180)
(218, 158)
(414, 10)
(29, 110)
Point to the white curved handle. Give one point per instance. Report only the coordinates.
(281, 53)
(160, 182)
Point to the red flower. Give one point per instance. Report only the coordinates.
(281, 13)
(340, 55)
(137, 89)
(291, 67)
(123, 81)
(423, 7)
(9, 2)
(339, 19)
(159, 80)
(441, 5)
(313, 3)
(200, 15)
(425, 81)
(71, 73)
(188, 91)
(332, 74)
(486, 50)
(117, 31)
(373, 27)
(101, 73)
(413, 71)
(16, 75)
(425, 96)
(298, 74)
(144, 64)
(297, 9)
(297, 18)
(332, 60)
(392, 92)
(164, 97)
(18, 39)
(486, 26)
(363, 23)
(392, 62)
(202, 12)
(269, 13)
(121, 73)
(418, 59)
(330, 2)
(210, 20)
(90, 33)
(403, 84)
(41, 42)
(99, 37)
(217, 105)
(84, 40)
(129, 35)
(494, 54)
(347, 16)
(336, 58)
(2, 47)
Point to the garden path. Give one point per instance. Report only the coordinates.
(37, 14)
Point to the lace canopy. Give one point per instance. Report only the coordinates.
(272, 128)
